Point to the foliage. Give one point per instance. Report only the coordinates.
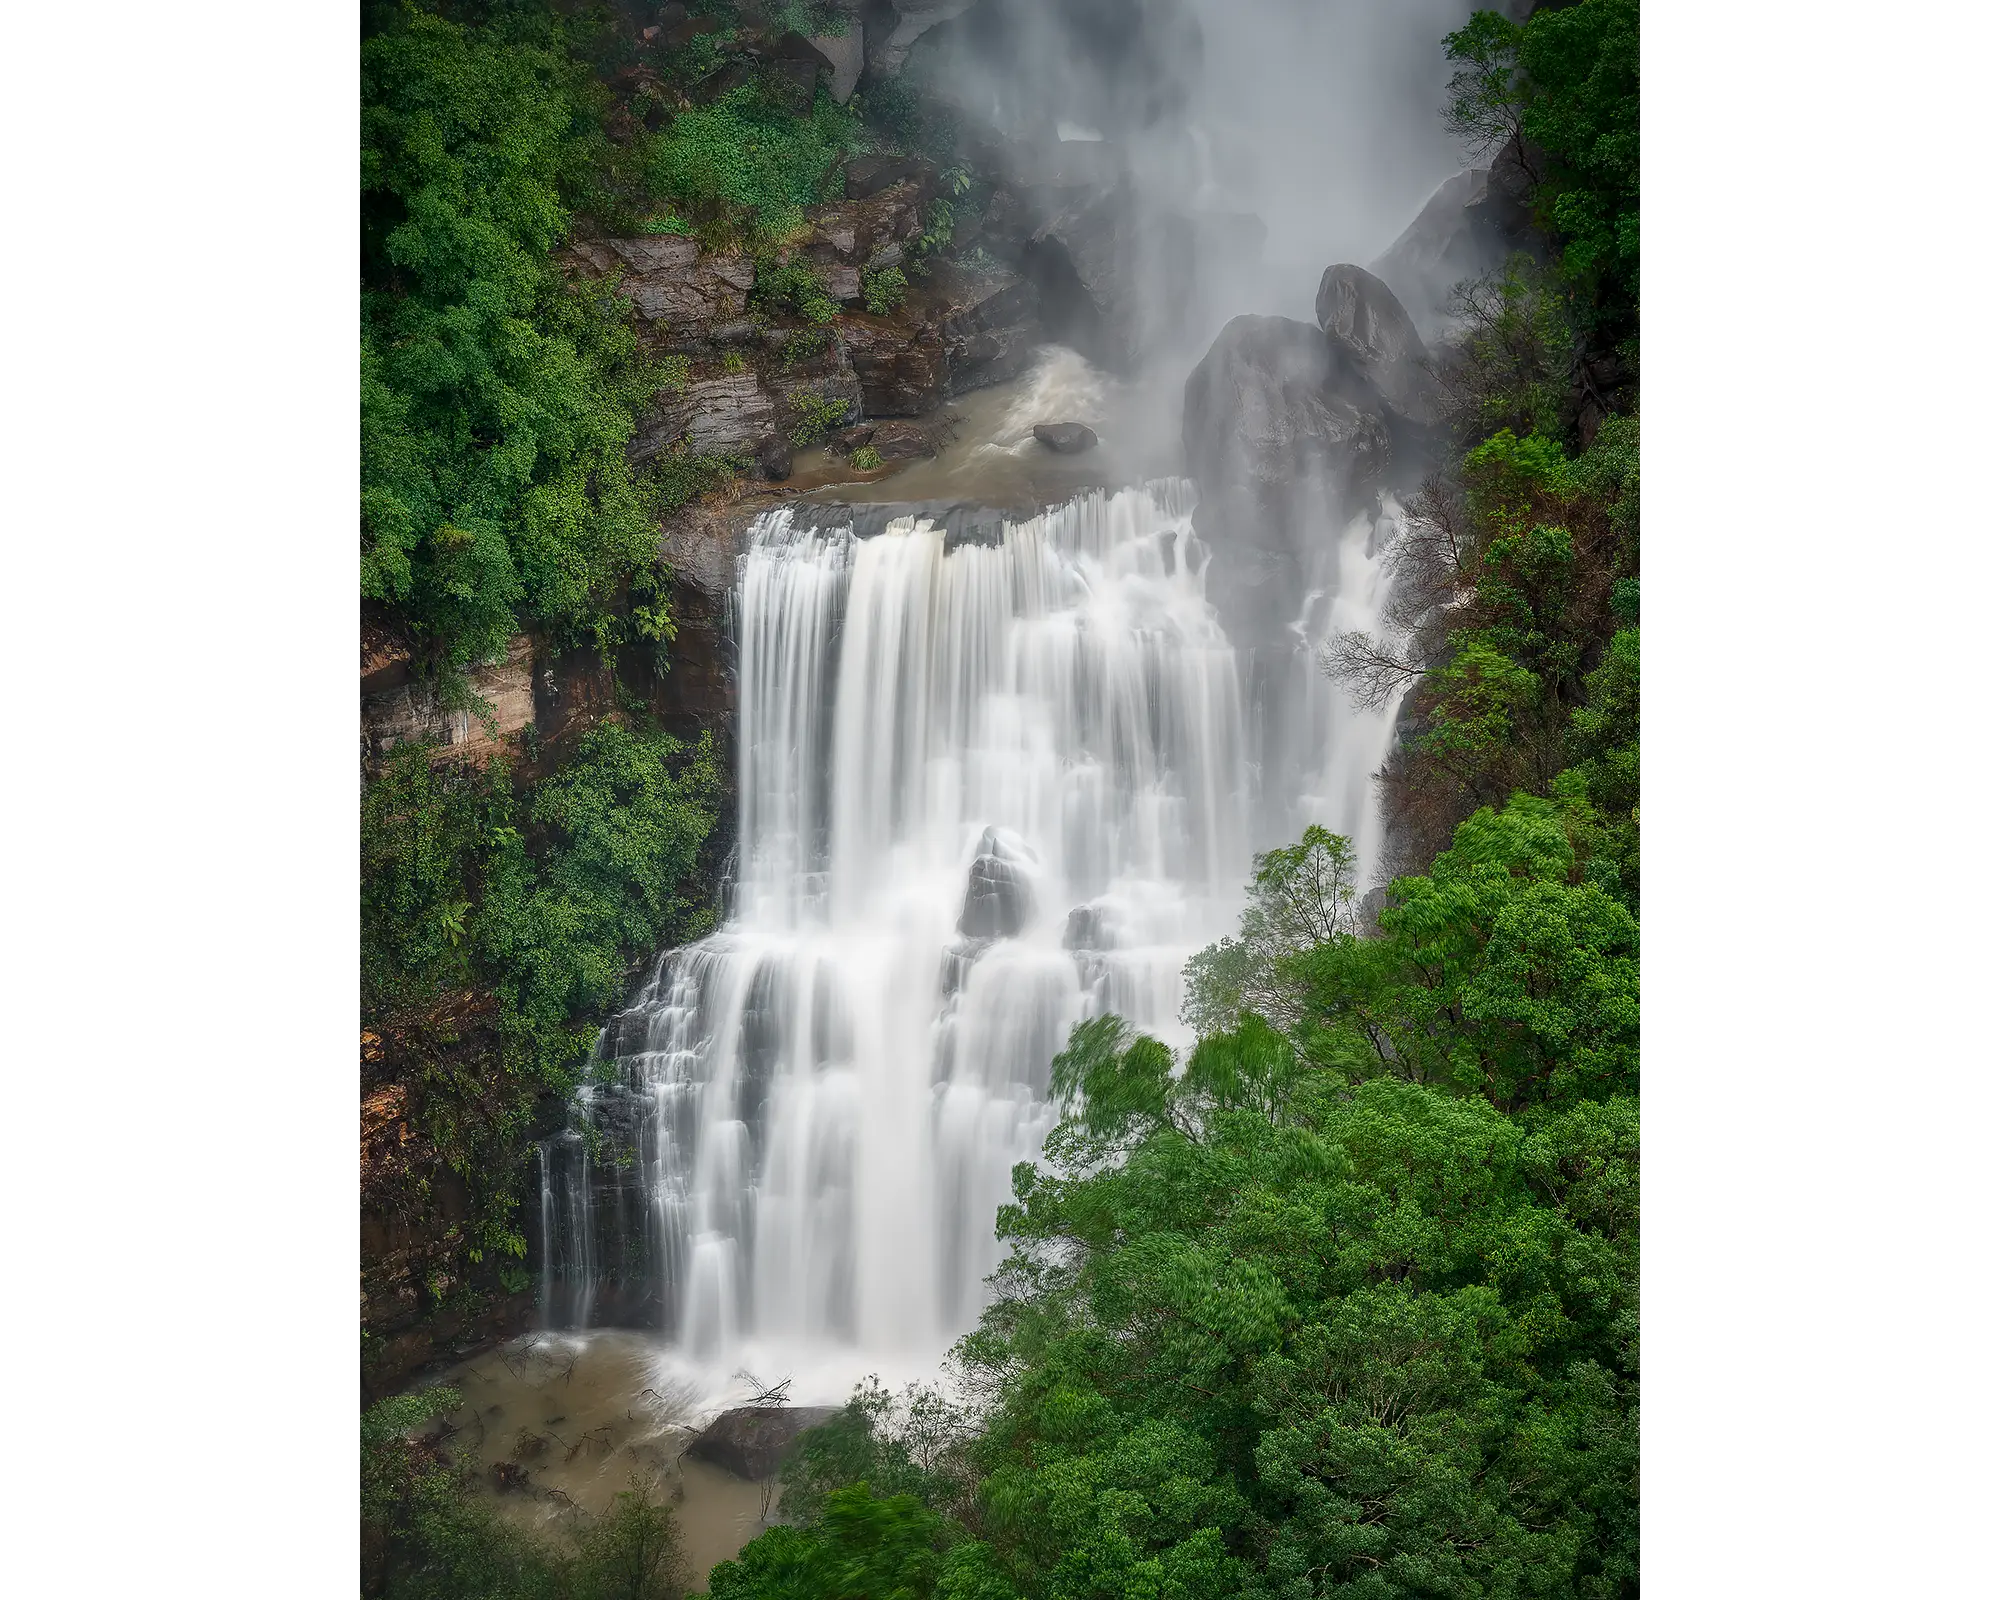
(1301, 895)
(866, 459)
(426, 1536)
(747, 165)
(496, 399)
(883, 289)
(1562, 91)
(790, 285)
(805, 344)
(1508, 576)
(534, 902)
(814, 415)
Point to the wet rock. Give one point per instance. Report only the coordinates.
(754, 1441)
(1364, 318)
(1085, 930)
(1084, 262)
(955, 331)
(1286, 446)
(1066, 438)
(774, 459)
(998, 896)
(898, 438)
(1268, 418)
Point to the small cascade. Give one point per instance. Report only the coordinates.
(989, 786)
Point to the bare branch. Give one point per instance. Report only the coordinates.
(1372, 672)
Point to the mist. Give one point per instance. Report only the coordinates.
(1320, 118)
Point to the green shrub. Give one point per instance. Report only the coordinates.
(805, 344)
(749, 165)
(884, 290)
(792, 285)
(866, 459)
(814, 416)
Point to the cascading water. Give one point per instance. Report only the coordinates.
(988, 788)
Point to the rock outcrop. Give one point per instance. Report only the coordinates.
(396, 708)
(1372, 330)
(888, 48)
(958, 330)
(999, 896)
(1268, 421)
(674, 286)
(753, 1441)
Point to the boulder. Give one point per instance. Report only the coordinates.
(998, 895)
(843, 53)
(774, 458)
(1267, 417)
(868, 176)
(1359, 313)
(754, 1441)
(1065, 438)
(1285, 446)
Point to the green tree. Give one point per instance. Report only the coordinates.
(496, 398)
(1560, 95)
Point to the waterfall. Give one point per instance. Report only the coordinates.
(988, 786)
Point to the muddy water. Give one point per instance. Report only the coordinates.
(557, 1424)
(994, 458)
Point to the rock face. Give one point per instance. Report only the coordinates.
(1359, 313)
(669, 280)
(1465, 230)
(1066, 438)
(395, 709)
(956, 331)
(753, 1441)
(726, 415)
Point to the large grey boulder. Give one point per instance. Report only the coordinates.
(1372, 330)
(1267, 419)
(1285, 447)
(753, 1441)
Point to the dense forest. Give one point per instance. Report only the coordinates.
(1343, 1304)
